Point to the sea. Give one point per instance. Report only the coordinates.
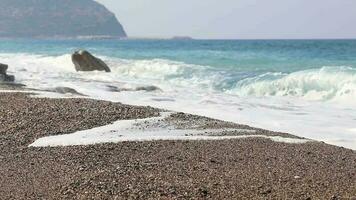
(303, 87)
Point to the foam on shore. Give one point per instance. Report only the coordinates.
(133, 130)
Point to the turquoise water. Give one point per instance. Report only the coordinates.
(306, 87)
(234, 59)
(236, 55)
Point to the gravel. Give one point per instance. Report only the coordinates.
(253, 168)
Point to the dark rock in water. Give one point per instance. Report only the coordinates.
(66, 90)
(84, 61)
(3, 76)
(3, 68)
(10, 78)
(141, 88)
(7, 78)
(148, 88)
(57, 19)
(112, 88)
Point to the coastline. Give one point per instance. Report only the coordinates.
(274, 94)
(236, 168)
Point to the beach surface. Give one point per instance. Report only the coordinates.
(249, 163)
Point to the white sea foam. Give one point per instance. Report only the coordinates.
(126, 130)
(336, 84)
(278, 102)
(327, 83)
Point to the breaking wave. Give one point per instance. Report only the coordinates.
(326, 83)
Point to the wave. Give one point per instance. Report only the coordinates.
(326, 83)
(49, 71)
(38, 63)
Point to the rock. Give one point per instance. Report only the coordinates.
(112, 88)
(3, 68)
(7, 78)
(3, 76)
(66, 90)
(266, 191)
(148, 88)
(84, 61)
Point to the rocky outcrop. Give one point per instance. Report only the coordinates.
(57, 18)
(84, 61)
(3, 76)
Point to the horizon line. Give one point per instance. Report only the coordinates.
(184, 38)
(192, 38)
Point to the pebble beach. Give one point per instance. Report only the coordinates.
(246, 168)
(106, 99)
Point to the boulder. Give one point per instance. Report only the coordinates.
(84, 61)
(3, 68)
(7, 78)
(3, 76)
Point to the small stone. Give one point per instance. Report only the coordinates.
(267, 191)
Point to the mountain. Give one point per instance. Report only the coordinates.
(57, 18)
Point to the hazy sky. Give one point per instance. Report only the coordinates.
(237, 19)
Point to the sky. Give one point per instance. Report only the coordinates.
(237, 19)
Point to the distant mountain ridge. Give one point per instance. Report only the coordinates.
(57, 18)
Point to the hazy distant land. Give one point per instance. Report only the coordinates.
(57, 19)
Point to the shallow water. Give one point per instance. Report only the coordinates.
(306, 87)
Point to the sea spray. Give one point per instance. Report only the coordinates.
(326, 83)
